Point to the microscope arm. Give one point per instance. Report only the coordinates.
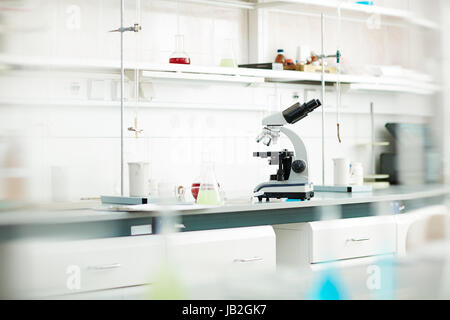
(299, 147)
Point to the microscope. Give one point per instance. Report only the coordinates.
(292, 178)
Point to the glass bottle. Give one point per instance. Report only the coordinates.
(209, 193)
(179, 56)
(280, 58)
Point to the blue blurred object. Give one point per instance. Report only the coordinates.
(367, 3)
(328, 286)
(387, 279)
(294, 200)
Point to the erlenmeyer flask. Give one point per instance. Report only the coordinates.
(179, 56)
(228, 57)
(209, 193)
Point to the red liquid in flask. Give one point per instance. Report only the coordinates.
(180, 60)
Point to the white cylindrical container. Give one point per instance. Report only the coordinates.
(139, 175)
(357, 173)
(341, 172)
(303, 54)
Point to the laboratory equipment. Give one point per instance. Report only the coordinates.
(119, 200)
(195, 188)
(292, 178)
(303, 54)
(138, 173)
(208, 192)
(377, 181)
(228, 56)
(414, 158)
(280, 58)
(356, 174)
(136, 27)
(179, 56)
(341, 171)
(267, 66)
(322, 57)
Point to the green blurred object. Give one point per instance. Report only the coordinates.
(167, 285)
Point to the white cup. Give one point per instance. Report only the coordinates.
(138, 173)
(341, 172)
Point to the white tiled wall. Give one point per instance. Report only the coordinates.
(185, 119)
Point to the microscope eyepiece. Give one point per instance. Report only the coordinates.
(299, 111)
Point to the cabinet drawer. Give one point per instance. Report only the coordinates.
(325, 241)
(352, 238)
(42, 269)
(55, 268)
(226, 250)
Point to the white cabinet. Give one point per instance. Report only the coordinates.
(324, 241)
(42, 269)
(226, 250)
(418, 227)
(55, 268)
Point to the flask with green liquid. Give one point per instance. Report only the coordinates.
(209, 192)
(228, 56)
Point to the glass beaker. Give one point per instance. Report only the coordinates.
(228, 57)
(209, 193)
(179, 56)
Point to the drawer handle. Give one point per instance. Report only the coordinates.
(248, 260)
(358, 240)
(105, 267)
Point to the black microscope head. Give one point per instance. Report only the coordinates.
(299, 111)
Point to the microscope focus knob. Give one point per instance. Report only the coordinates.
(298, 166)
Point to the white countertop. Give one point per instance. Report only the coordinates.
(94, 212)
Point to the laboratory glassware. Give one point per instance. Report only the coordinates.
(179, 56)
(280, 58)
(139, 178)
(228, 56)
(341, 171)
(209, 192)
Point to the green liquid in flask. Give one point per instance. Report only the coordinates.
(228, 63)
(208, 197)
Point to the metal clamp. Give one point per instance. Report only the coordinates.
(135, 28)
(398, 207)
(248, 260)
(105, 267)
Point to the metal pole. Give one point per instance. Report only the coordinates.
(122, 79)
(372, 140)
(323, 100)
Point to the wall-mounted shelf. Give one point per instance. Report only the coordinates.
(51, 64)
(375, 144)
(174, 72)
(202, 77)
(353, 82)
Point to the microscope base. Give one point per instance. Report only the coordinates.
(303, 196)
(285, 191)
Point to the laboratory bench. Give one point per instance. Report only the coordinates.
(239, 238)
(102, 222)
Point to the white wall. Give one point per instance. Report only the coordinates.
(186, 118)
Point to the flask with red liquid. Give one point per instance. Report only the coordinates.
(179, 56)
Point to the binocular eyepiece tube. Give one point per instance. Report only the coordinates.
(299, 111)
